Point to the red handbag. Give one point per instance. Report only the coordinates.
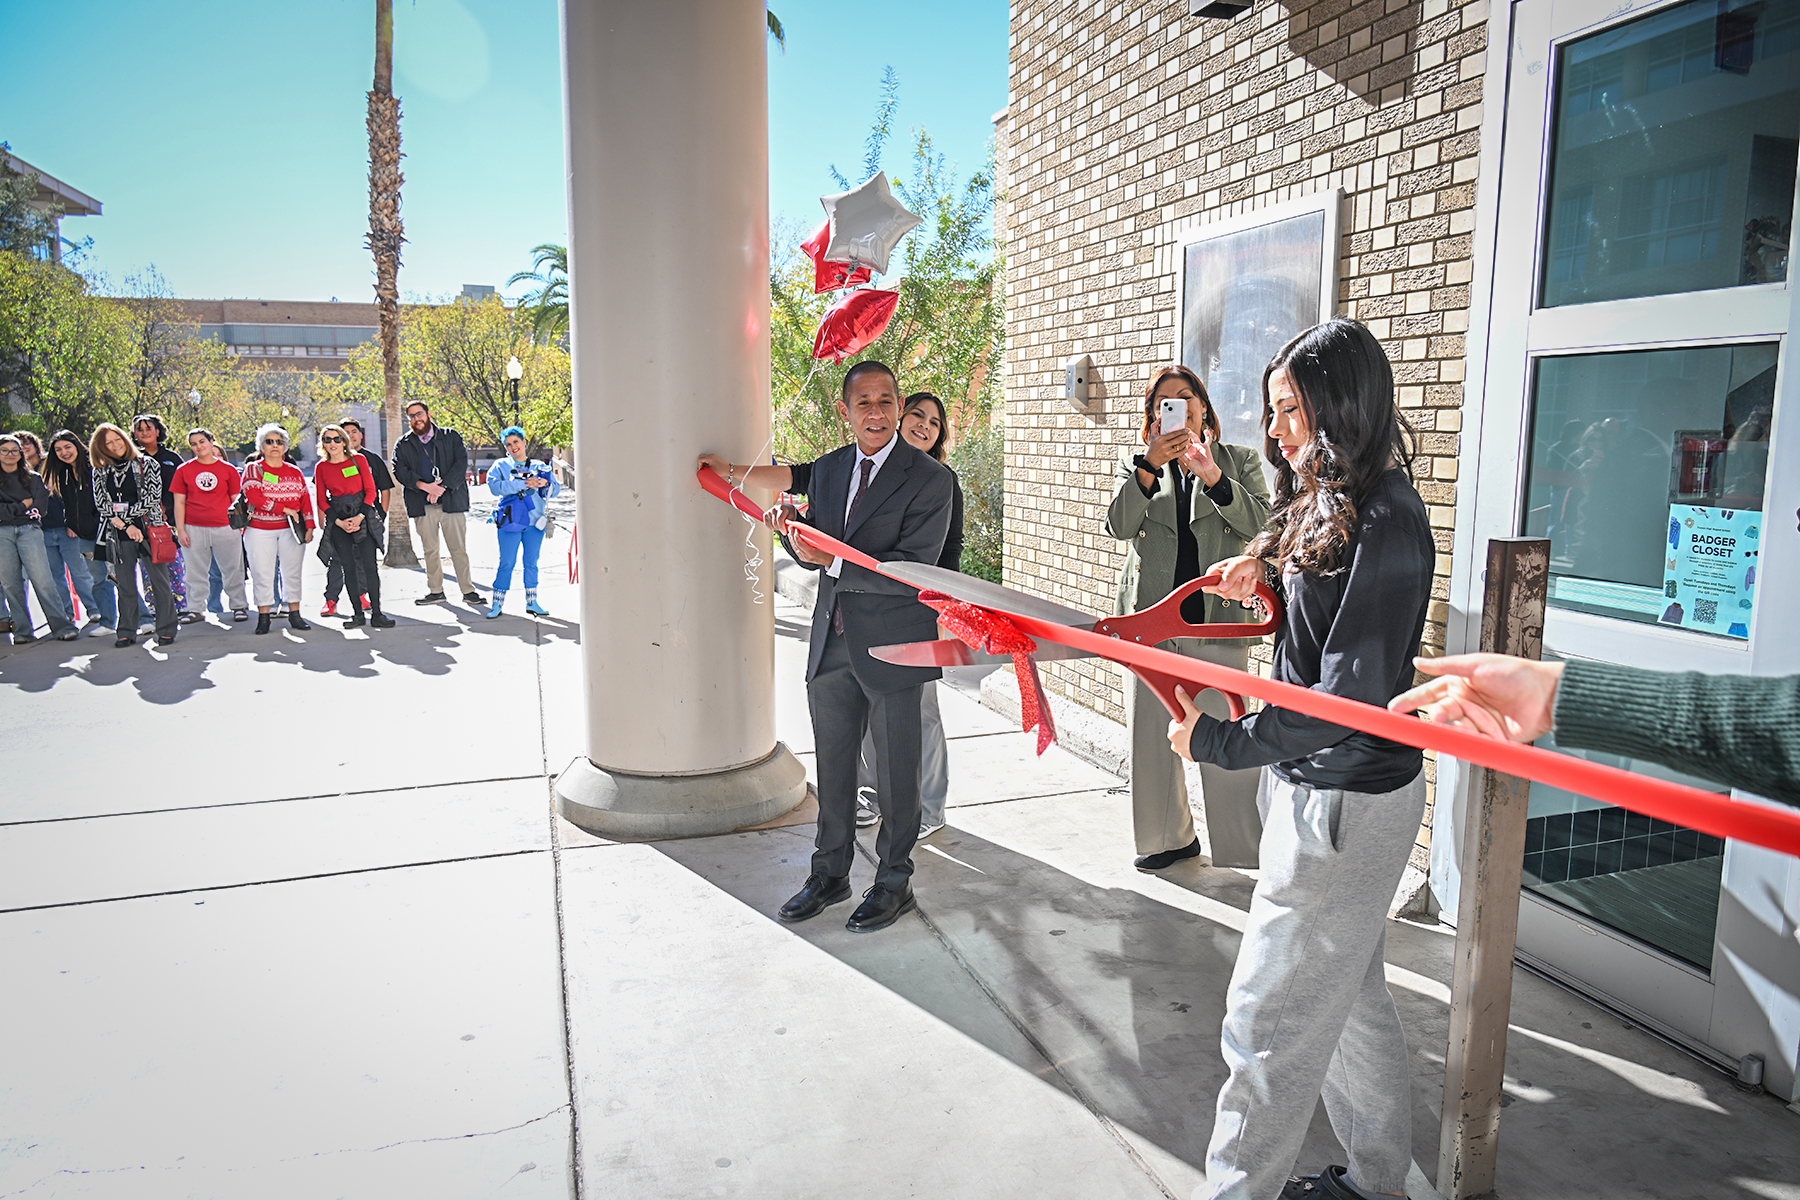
(162, 543)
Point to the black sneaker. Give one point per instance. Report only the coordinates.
(1168, 858)
(430, 598)
(474, 598)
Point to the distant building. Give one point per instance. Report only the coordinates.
(475, 293)
(57, 198)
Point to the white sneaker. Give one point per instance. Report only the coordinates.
(99, 629)
(928, 828)
(866, 817)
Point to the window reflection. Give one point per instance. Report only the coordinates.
(1674, 153)
(1646, 473)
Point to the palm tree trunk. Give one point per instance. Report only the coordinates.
(386, 235)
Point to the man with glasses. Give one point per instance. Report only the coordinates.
(384, 491)
(432, 467)
(204, 487)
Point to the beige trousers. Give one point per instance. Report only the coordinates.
(1159, 797)
(450, 525)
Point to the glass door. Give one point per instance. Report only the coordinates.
(1634, 380)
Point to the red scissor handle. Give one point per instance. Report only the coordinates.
(1163, 620)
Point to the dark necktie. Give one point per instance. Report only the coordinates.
(862, 489)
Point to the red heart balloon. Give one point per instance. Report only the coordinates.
(853, 322)
(830, 276)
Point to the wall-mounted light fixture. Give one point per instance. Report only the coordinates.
(1076, 376)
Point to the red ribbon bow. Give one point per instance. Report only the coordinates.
(994, 633)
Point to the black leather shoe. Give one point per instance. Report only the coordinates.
(296, 621)
(1168, 858)
(819, 893)
(881, 907)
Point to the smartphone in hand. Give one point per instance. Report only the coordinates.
(1174, 416)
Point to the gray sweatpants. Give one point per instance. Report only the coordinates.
(1308, 1010)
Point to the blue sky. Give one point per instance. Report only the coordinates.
(226, 140)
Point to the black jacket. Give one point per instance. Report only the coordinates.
(21, 494)
(452, 462)
(904, 518)
(75, 502)
(1353, 634)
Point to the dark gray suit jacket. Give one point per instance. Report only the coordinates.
(905, 517)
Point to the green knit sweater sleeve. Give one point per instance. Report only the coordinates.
(1739, 730)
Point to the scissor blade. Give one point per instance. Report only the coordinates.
(950, 652)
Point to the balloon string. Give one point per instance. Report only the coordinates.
(753, 559)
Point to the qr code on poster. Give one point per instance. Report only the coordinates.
(1706, 612)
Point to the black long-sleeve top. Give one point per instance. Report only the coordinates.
(951, 558)
(1353, 634)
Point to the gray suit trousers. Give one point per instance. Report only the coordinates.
(841, 709)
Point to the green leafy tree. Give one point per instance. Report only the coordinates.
(63, 350)
(167, 361)
(946, 336)
(546, 306)
(453, 357)
(25, 228)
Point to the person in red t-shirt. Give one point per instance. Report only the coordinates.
(346, 492)
(277, 494)
(204, 488)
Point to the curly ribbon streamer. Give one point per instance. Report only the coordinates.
(1777, 828)
(994, 633)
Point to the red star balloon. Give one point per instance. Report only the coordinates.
(853, 322)
(830, 276)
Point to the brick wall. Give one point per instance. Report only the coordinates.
(1130, 124)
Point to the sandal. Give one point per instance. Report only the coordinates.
(190, 618)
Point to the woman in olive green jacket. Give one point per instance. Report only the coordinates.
(1222, 500)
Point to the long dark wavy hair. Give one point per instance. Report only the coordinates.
(1210, 421)
(67, 479)
(914, 401)
(1346, 390)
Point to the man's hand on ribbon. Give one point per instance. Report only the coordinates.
(780, 518)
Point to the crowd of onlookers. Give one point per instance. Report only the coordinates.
(91, 528)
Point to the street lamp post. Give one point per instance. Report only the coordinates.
(515, 370)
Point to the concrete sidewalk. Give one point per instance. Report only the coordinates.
(269, 935)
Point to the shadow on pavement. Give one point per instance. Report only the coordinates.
(1118, 996)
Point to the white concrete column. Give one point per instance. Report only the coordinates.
(666, 118)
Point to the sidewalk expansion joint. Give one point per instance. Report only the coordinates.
(448, 1137)
(250, 883)
(157, 812)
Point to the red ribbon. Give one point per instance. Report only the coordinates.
(994, 633)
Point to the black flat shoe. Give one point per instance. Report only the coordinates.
(127, 640)
(380, 620)
(1168, 858)
(819, 893)
(296, 621)
(165, 639)
(881, 907)
(430, 598)
(358, 619)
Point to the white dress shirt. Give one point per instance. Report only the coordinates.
(835, 570)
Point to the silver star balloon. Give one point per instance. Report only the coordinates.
(866, 224)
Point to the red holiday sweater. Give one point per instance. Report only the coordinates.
(273, 490)
(342, 479)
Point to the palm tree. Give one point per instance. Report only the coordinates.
(386, 234)
(776, 32)
(547, 304)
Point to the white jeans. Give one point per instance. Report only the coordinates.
(266, 547)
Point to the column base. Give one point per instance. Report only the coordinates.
(615, 804)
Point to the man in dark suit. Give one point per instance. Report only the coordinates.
(892, 502)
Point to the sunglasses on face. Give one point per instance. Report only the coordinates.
(274, 442)
(330, 441)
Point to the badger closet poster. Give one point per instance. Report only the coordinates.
(1709, 574)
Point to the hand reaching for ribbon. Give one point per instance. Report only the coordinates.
(779, 518)
(1508, 699)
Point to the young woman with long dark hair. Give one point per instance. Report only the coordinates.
(1186, 500)
(128, 492)
(1308, 1010)
(22, 504)
(71, 526)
